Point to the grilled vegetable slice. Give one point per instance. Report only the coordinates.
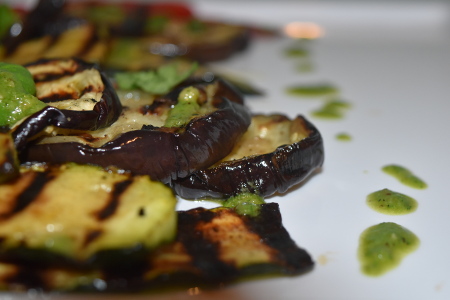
(213, 247)
(139, 142)
(275, 154)
(76, 212)
(78, 94)
(9, 163)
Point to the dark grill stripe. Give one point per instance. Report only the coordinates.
(111, 207)
(60, 96)
(29, 194)
(269, 227)
(204, 253)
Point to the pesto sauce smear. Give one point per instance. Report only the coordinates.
(313, 90)
(345, 137)
(245, 204)
(391, 203)
(382, 247)
(333, 109)
(185, 109)
(405, 176)
(17, 90)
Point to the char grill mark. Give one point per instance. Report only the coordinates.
(204, 253)
(92, 236)
(273, 234)
(28, 195)
(111, 206)
(56, 73)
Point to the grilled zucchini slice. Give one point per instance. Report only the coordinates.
(77, 211)
(213, 247)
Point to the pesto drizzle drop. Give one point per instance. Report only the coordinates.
(333, 109)
(405, 176)
(245, 204)
(312, 90)
(391, 203)
(345, 137)
(382, 247)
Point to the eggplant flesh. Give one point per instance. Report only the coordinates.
(213, 247)
(274, 155)
(161, 152)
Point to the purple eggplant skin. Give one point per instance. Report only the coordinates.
(265, 174)
(105, 112)
(160, 152)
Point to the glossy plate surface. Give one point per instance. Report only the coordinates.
(391, 62)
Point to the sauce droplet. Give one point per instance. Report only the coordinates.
(391, 203)
(405, 176)
(345, 137)
(332, 110)
(382, 247)
(312, 90)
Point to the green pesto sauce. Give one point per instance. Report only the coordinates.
(17, 98)
(382, 247)
(313, 90)
(405, 176)
(345, 137)
(296, 52)
(159, 81)
(245, 204)
(334, 109)
(391, 203)
(185, 109)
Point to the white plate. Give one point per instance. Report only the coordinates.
(392, 63)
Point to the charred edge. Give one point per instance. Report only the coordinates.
(29, 194)
(24, 279)
(268, 225)
(92, 236)
(204, 253)
(111, 207)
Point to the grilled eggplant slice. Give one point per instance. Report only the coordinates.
(139, 142)
(212, 247)
(79, 96)
(77, 212)
(275, 154)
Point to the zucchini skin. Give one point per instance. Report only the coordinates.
(264, 174)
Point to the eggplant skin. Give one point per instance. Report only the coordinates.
(264, 174)
(162, 153)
